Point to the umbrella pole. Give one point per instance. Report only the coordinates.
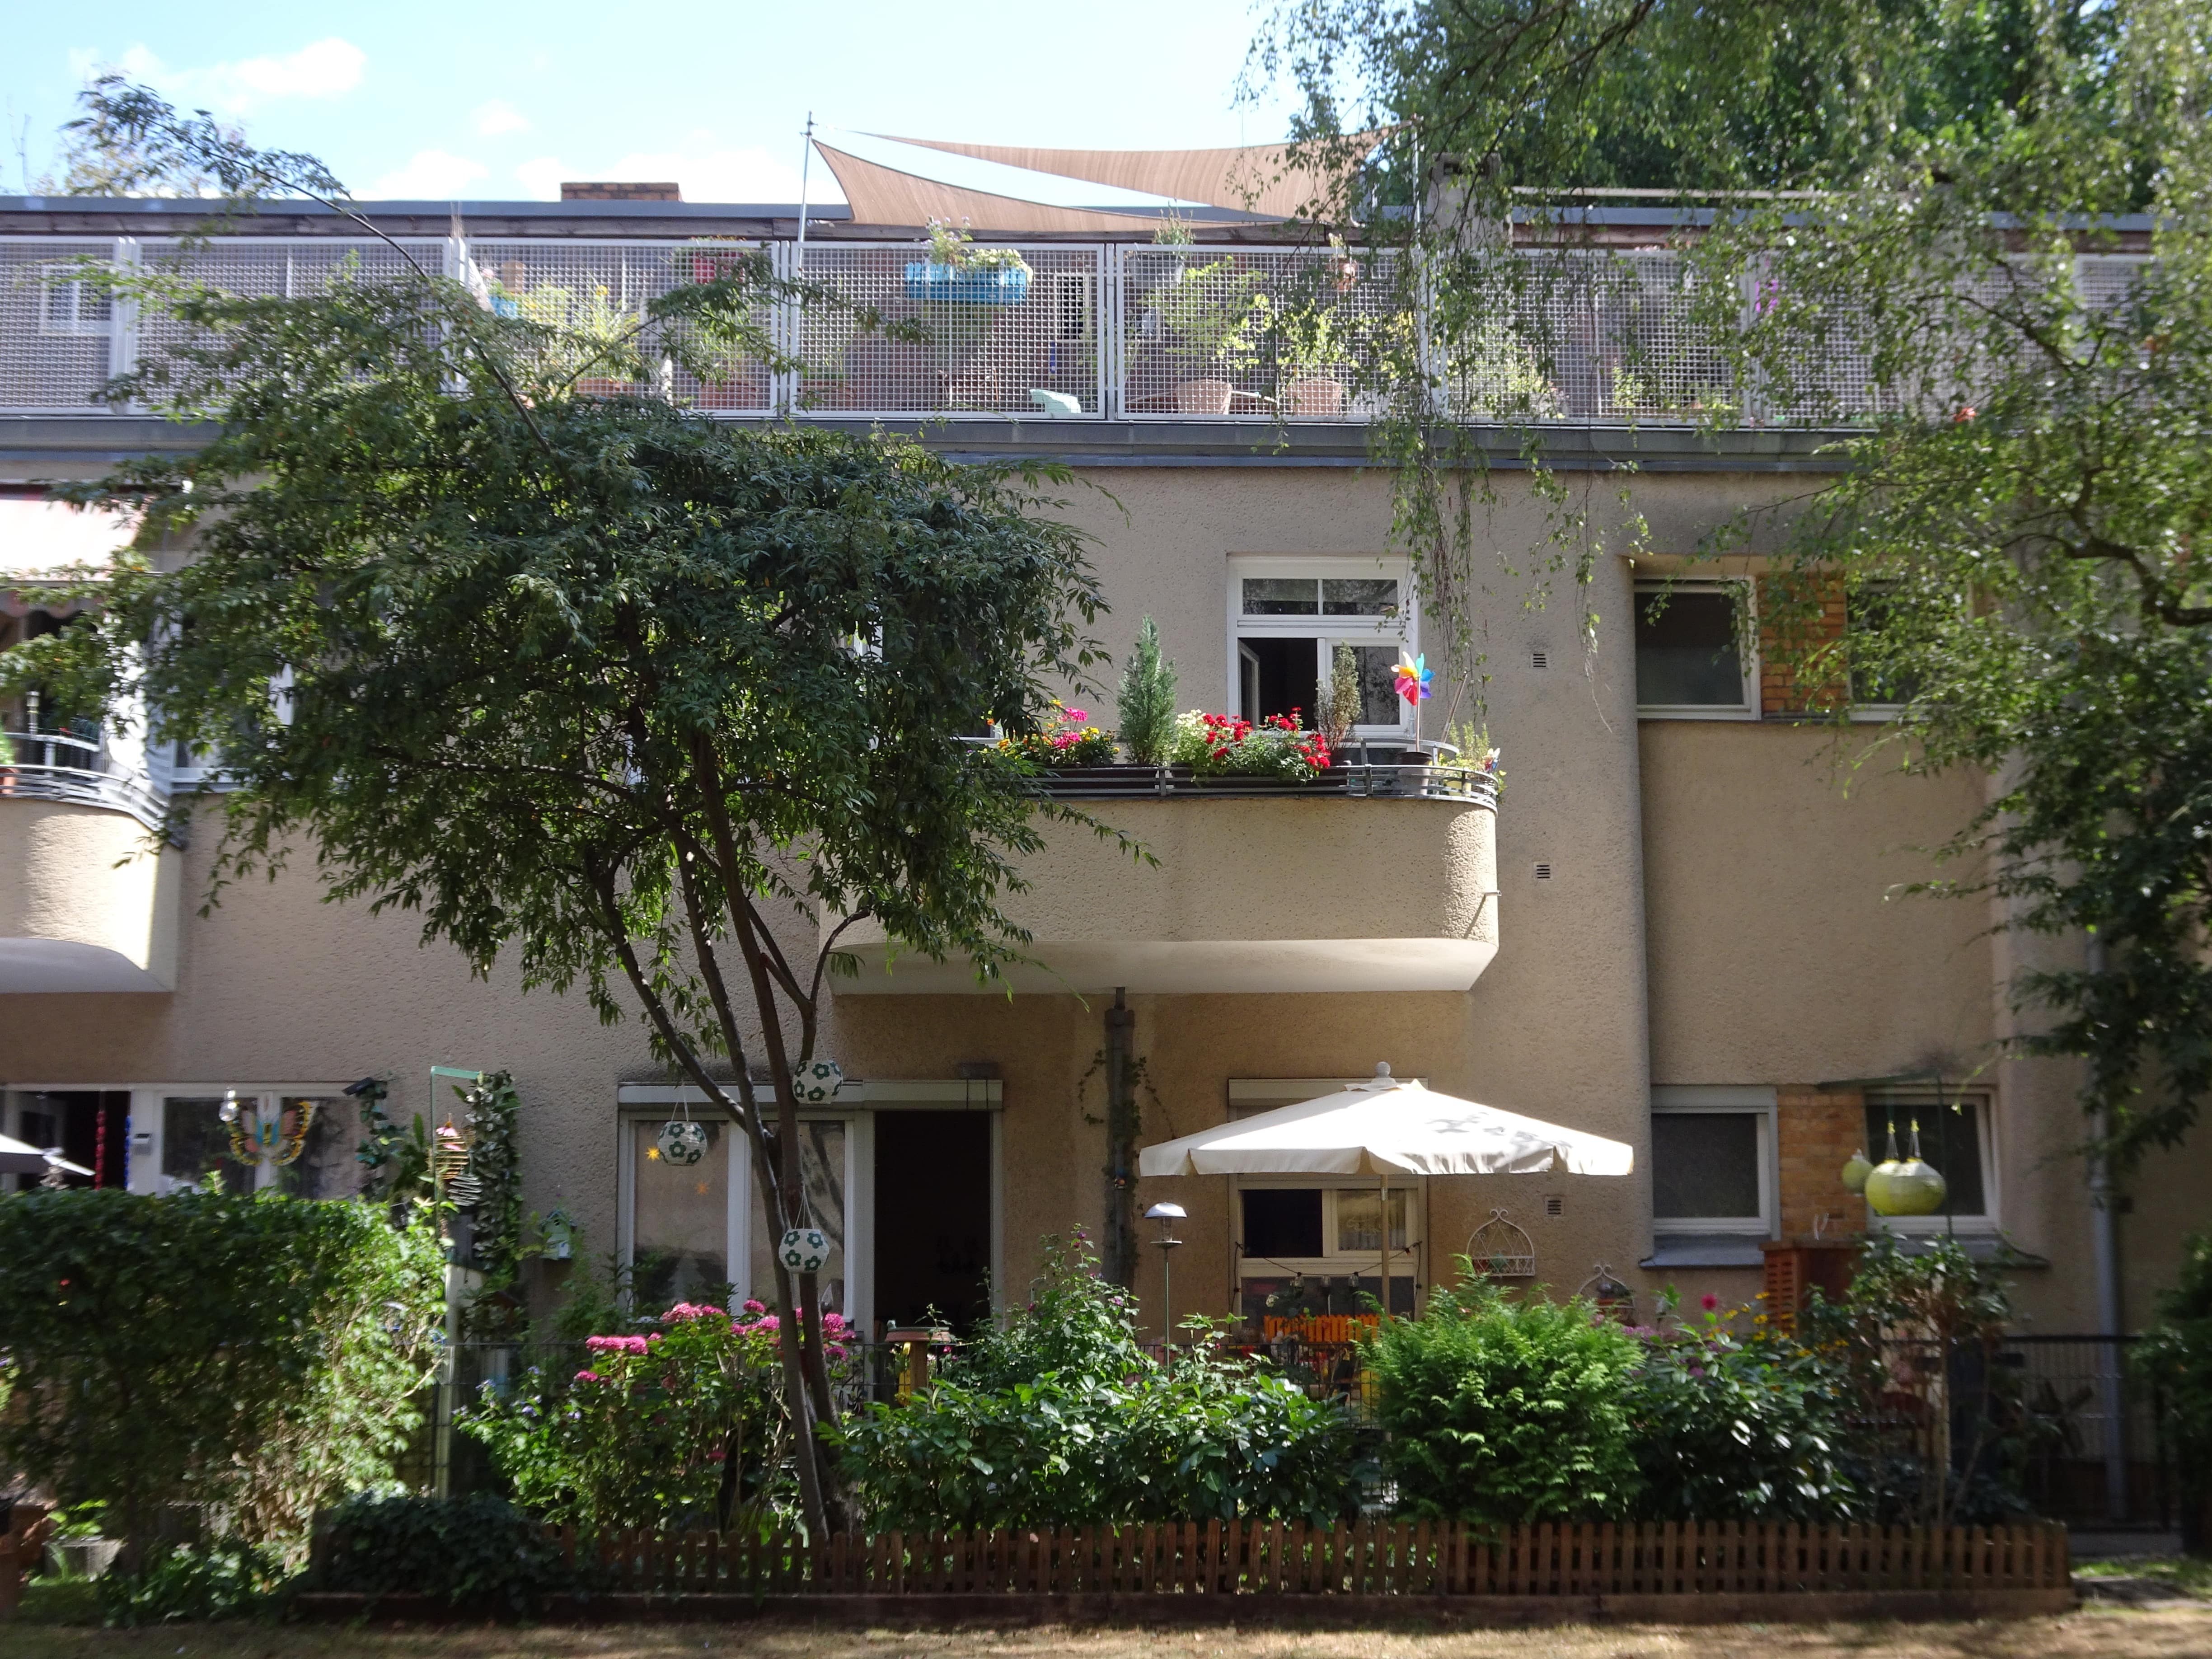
(1383, 1191)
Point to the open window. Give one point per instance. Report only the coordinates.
(1286, 618)
(1691, 660)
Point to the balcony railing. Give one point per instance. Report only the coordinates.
(81, 767)
(1438, 779)
(1093, 332)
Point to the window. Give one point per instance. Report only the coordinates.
(1689, 655)
(1286, 618)
(1874, 693)
(1712, 1158)
(1317, 1250)
(1954, 1137)
(72, 305)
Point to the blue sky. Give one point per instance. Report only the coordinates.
(411, 98)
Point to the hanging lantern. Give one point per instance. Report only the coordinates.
(1857, 1171)
(805, 1249)
(817, 1083)
(681, 1142)
(1905, 1187)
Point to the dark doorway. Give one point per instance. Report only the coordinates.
(1281, 677)
(932, 1217)
(91, 1125)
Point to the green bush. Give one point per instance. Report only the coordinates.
(682, 1425)
(477, 1552)
(194, 1584)
(1062, 1419)
(1506, 1412)
(2176, 1357)
(256, 1356)
(1733, 1428)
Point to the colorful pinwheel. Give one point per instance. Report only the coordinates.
(1415, 678)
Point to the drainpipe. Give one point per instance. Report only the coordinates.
(1120, 1144)
(2105, 1245)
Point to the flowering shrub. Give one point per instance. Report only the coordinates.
(1068, 741)
(681, 1425)
(1222, 745)
(1063, 1419)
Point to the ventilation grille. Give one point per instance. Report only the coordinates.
(1540, 658)
(1543, 872)
(1554, 1204)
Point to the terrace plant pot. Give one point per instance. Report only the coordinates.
(1203, 398)
(935, 284)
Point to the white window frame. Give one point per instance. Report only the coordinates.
(144, 1132)
(1865, 713)
(1404, 1264)
(56, 279)
(1748, 709)
(1983, 1108)
(1671, 1100)
(1402, 630)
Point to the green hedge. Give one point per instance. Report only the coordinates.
(257, 1357)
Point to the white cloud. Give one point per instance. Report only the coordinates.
(499, 116)
(434, 175)
(708, 172)
(326, 69)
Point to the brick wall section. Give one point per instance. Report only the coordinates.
(1819, 1131)
(591, 190)
(1778, 693)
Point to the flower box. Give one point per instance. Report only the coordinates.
(932, 283)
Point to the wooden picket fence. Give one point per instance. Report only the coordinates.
(1362, 1558)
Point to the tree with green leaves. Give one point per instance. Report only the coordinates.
(642, 703)
(1966, 238)
(1145, 702)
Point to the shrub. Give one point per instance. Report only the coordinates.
(193, 1584)
(1505, 1411)
(681, 1425)
(257, 1355)
(1730, 1428)
(467, 1551)
(2176, 1357)
(1145, 702)
(1062, 1419)
(1221, 745)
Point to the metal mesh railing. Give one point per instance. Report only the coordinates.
(1004, 341)
(1189, 333)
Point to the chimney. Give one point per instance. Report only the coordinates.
(591, 190)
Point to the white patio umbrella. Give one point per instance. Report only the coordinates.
(20, 1157)
(1384, 1126)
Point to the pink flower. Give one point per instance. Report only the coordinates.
(1063, 739)
(834, 1351)
(693, 1310)
(1709, 1301)
(1077, 715)
(753, 1307)
(617, 1343)
(587, 1377)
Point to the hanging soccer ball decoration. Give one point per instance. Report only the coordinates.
(682, 1142)
(817, 1083)
(805, 1249)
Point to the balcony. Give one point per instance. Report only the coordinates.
(1233, 335)
(83, 905)
(1367, 879)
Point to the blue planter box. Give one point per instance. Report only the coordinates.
(945, 285)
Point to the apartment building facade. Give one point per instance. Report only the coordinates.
(1680, 926)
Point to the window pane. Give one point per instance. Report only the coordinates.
(1950, 1139)
(1281, 596)
(1704, 1166)
(1378, 695)
(326, 1166)
(680, 1240)
(821, 1168)
(1361, 596)
(1686, 653)
(1357, 1230)
(1868, 614)
(196, 1143)
(1280, 1223)
(1281, 677)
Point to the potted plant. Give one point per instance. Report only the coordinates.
(957, 272)
(1310, 346)
(1212, 314)
(1223, 745)
(1068, 741)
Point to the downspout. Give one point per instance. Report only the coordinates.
(2111, 1324)
(1120, 1144)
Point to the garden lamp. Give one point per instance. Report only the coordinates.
(1164, 1216)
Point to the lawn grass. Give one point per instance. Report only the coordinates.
(2093, 1633)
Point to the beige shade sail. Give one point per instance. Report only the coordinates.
(879, 195)
(1389, 1126)
(1255, 177)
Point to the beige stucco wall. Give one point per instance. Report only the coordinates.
(82, 902)
(1716, 914)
